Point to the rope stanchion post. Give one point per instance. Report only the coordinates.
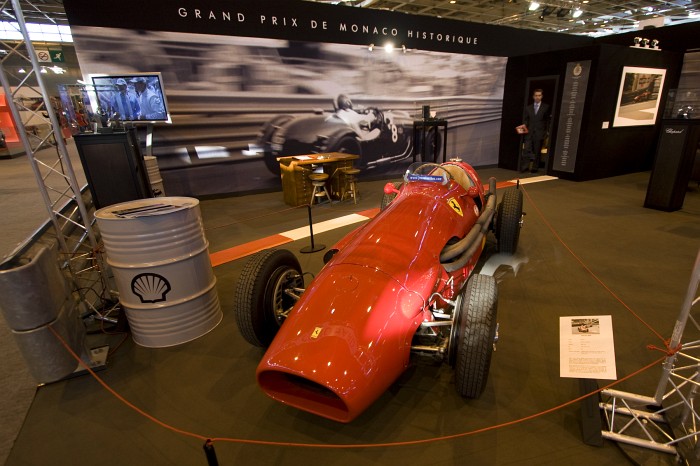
(313, 247)
(210, 453)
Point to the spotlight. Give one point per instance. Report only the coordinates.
(533, 6)
(389, 48)
(21, 71)
(577, 12)
(371, 47)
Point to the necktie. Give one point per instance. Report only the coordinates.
(537, 108)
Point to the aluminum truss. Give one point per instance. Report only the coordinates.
(669, 421)
(28, 99)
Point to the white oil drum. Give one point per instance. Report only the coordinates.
(159, 256)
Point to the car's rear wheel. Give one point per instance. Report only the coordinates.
(476, 335)
(389, 198)
(261, 302)
(509, 221)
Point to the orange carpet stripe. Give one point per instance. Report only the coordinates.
(252, 247)
(371, 213)
(242, 250)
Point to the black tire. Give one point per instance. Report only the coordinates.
(347, 145)
(509, 221)
(261, 303)
(476, 335)
(389, 198)
(329, 255)
(272, 164)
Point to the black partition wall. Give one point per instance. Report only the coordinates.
(602, 149)
(233, 69)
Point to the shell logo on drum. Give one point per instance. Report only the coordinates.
(150, 287)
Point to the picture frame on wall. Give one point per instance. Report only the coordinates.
(639, 96)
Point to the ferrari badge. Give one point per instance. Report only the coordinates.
(316, 332)
(452, 202)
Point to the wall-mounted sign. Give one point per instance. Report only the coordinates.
(570, 113)
(57, 56)
(43, 55)
(316, 22)
(639, 96)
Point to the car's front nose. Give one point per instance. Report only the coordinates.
(343, 345)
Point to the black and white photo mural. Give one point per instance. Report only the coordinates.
(236, 103)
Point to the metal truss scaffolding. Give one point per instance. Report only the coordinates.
(669, 421)
(29, 100)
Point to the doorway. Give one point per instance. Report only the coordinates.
(549, 86)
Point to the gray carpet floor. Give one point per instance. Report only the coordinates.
(576, 236)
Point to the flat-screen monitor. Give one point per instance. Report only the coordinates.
(136, 97)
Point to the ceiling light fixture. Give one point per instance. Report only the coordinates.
(533, 6)
(577, 12)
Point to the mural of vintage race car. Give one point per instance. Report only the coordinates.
(377, 136)
(401, 286)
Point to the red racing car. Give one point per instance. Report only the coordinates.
(401, 284)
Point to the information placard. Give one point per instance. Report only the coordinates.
(587, 347)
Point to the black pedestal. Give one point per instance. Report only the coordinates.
(114, 167)
(675, 154)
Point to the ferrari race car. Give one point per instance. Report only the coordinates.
(400, 285)
(377, 136)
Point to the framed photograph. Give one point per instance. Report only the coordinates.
(638, 99)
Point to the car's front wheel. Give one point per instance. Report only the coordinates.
(265, 139)
(263, 297)
(476, 335)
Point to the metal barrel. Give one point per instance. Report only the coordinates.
(159, 256)
(35, 298)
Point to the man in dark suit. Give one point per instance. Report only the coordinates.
(536, 120)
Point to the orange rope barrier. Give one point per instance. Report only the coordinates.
(209, 440)
(587, 269)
